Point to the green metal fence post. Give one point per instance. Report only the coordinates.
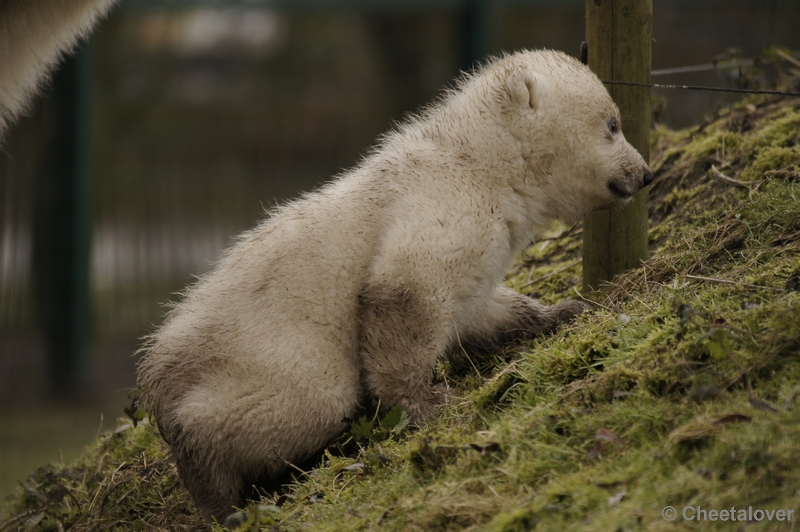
(62, 236)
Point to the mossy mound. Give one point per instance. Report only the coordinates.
(679, 390)
(124, 481)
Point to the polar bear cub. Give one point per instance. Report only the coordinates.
(357, 289)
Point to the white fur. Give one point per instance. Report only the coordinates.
(355, 290)
(34, 35)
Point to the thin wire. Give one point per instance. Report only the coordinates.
(699, 88)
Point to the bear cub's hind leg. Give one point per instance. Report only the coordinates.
(401, 339)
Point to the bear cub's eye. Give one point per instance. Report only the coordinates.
(613, 127)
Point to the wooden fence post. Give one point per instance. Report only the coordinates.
(619, 35)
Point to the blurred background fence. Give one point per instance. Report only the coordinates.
(179, 122)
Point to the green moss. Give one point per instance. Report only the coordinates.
(664, 143)
(679, 197)
(719, 143)
(124, 481)
(781, 129)
(772, 159)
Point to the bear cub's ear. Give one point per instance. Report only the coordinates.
(525, 89)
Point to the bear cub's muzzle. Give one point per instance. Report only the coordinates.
(625, 187)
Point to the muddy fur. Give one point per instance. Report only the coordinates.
(354, 291)
(34, 35)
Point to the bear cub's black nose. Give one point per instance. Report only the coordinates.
(648, 176)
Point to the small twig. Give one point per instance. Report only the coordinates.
(700, 68)
(782, 172)
(787, 403)
(96, 495)
(108, 491)
(575, 230)
(592, 302)
(530, 274)
(458, 338)
(735, 182)
(71, 496)
(725, 326)
(726, 281)
(787, 57)
(742, 372)
(721, 65)
(274, 451)
(99, 427)
(124, 495)
(117, 470)
(20, 517)
(560, 270)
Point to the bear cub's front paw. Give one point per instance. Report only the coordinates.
(567, 310)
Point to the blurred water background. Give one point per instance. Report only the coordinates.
(198, 117)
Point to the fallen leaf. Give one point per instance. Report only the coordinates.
(608, 485)
(122, 428)
(358, 467)
(732, 418)
(606, 435)
(759, 404)
(490, 447)
(595, 451)
(617, 498)
(235, 520)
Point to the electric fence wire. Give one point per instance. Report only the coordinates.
(696, 68)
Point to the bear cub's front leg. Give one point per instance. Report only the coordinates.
(528, 318)
(402, 337)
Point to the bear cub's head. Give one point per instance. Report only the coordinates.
(570, 135)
